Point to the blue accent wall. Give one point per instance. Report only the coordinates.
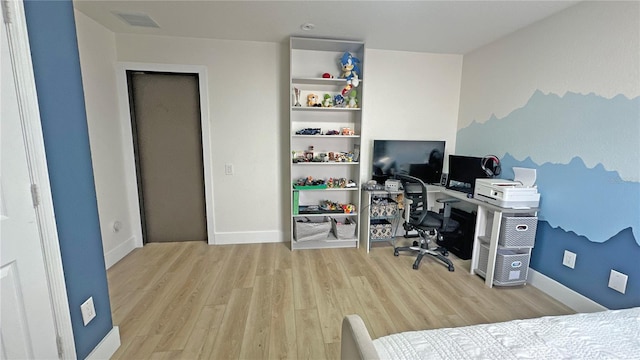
(590, 209)
(56, 64)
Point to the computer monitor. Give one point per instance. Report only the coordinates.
(420, 158)
(463, 172)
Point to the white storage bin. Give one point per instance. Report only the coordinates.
(310, 228)
(511, 265)
(345, 229)
(518, 231)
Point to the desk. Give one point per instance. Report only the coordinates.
(487, 214)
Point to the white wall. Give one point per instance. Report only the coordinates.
(247, 120)
(248, 110)
(586, 48)
(409, 96)
(97, 48)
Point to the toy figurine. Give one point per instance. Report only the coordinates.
(353, 100)
(327, 102)
(296, 91)
(338, 101)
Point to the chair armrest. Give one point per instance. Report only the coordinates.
(448, 201)
(447, 206)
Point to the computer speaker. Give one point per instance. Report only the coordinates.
(443, 179)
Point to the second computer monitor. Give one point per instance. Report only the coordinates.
(463, 172)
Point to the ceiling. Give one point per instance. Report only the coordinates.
(455, 27)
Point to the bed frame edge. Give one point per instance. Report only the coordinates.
(356, 343)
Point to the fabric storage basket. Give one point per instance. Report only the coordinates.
(383, 207)
(345, 229)
(511, 265)
(518, 231)
(380, 229)
(306, 229)
(391, 209)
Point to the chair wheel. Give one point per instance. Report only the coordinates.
(415, 266)
(451, 268)
(415, 243)
(396, 253)
(444, 253)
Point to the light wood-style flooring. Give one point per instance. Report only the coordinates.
(191, 300)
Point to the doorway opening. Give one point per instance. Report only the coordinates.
(166, 131)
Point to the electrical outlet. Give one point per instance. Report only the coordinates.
(618, 281)
(88, 311)
(569, 259)
(228, 169)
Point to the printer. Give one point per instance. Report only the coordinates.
(506, 193)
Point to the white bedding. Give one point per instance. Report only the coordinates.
(613, 334)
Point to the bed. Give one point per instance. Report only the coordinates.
(611, 334)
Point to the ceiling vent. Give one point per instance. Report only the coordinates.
(137, 19)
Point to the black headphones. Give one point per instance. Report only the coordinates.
(493, 170)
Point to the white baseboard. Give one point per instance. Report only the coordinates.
(248, 237)
(119, 252)
(107, 347)
(570, 298)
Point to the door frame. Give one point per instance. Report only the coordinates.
(131, 178)
(20, 50)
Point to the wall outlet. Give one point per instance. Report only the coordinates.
(569, 259)
(88, 311)
(228, 169)
(618, 281)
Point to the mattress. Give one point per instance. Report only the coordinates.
(612, 334)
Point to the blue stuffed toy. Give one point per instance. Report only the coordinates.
(350, 71)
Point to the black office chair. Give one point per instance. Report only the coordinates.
(428, 224)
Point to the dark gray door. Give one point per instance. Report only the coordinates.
(168, 143)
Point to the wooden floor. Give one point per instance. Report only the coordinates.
(191, 300)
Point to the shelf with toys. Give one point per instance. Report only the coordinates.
(325, 127)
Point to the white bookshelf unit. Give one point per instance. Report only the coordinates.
(309, 59)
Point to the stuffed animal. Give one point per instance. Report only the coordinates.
(338, 100)
(327, 102)
(350, 71)
(349, 66)
(312, 100)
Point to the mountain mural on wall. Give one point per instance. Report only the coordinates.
(585, 149)
(596, 200)
(594, 203)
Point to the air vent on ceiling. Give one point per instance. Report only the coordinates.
(137, 19)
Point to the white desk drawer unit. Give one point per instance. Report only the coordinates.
(518, 231)
(511, 265)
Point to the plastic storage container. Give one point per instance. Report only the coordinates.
(518, 231)
(511, 268)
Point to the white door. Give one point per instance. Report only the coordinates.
(26, 317)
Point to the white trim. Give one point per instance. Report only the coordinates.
(572, 299)
(37, 162)
(119, 252)
(107, 346)
(127, 137)
(249, 237)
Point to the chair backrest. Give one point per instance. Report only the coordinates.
(419, 198)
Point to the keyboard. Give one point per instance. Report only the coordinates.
(463, 189)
